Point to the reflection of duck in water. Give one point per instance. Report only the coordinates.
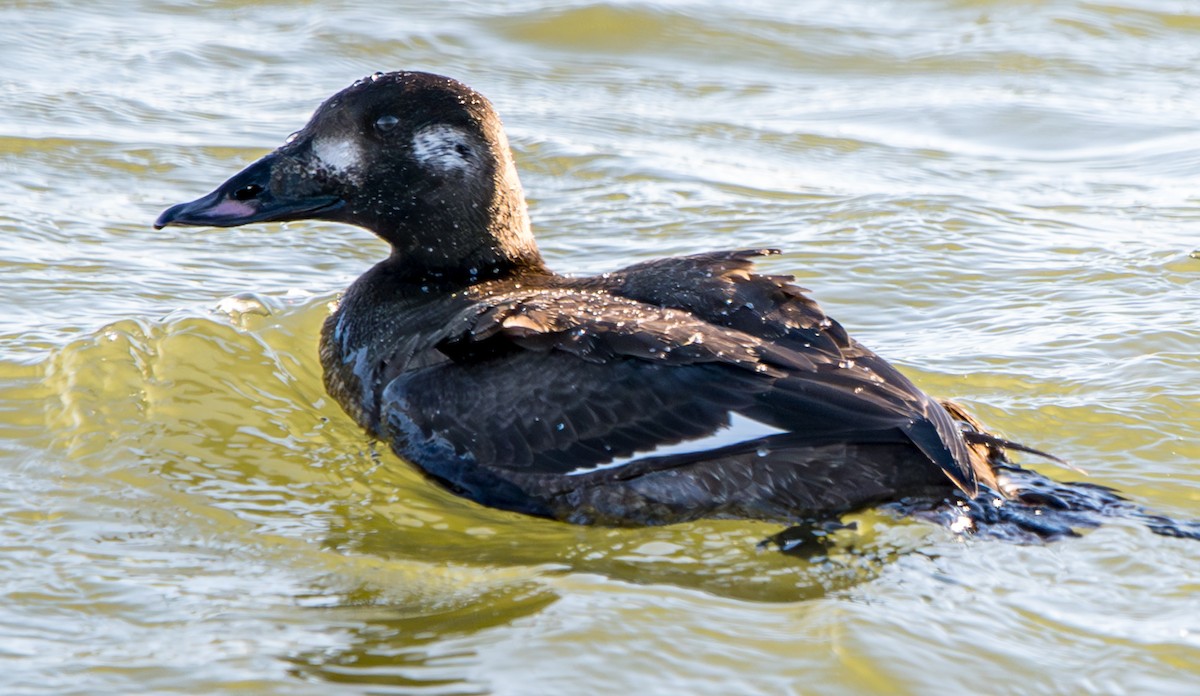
(667, 391)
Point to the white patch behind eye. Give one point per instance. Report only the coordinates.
(339, 156)
(444, 149)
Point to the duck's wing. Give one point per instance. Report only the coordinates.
(721, 287)
(568, 380)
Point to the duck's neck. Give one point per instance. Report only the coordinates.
(466, 250)
(482, 264)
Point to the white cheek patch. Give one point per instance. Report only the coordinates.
(445, 149)
(339, 157)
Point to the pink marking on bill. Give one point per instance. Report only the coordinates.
(231, 208)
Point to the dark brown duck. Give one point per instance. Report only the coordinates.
(667, 391)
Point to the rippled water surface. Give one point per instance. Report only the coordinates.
(1002, 197)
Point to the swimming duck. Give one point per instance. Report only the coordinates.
(666, 391)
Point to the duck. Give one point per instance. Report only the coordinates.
(667, 391)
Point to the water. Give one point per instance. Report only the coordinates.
(1001, 197)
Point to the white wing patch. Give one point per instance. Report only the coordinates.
(740, 429)
(445, 149)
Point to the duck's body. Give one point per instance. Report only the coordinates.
(671, 390)
(666, 391)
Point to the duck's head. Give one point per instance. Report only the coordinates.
(420, 160)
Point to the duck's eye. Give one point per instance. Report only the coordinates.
(384, 124)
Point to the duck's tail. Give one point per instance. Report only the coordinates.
(1013, 504)
(1022, 505)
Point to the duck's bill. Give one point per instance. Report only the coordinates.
(252, 195)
